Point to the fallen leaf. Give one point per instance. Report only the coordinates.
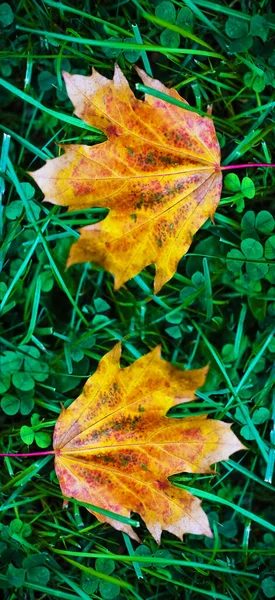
(115, 447)
(158, 173)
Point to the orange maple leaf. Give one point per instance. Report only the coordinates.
(115, 447)
(158, 173)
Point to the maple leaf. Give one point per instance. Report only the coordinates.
(115, 447)
(158, 174)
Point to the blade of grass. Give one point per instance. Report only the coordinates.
(252, 111)
(35, 307)
(183, 32)
(220, 8)
(13, 504)
(239, 332)
(3, 165)
(36, 151)
(22, 267)
(271, 457)
(120, 45)
(202, 17)
(107, 513)
(211, 592)
(99, 575)
(46, 590)
(143, 54)
(262, 445)
(157, 561)
(21, 479)
(218, 500)
(60, 116)
(157, 94)
(131, 552)
(235, 465)
(65, 8)
(41, 238)
(208, 289)
(71, 583)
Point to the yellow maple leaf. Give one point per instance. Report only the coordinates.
(158, 173)
(115, 447)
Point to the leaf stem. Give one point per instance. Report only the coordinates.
(243, 166)
(29, 453)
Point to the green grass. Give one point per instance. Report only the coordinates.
(219, 308)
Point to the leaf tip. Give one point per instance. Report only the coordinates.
(113, 356)
(157, 352)
(73, 257)
(142, 74)
(66, 75)
(70, 261)
(119, 78)
(117, 284)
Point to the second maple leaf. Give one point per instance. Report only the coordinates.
(115, 447)
(158, 174)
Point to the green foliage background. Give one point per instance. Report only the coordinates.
(55, 324)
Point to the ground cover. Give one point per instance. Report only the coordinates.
(219, 308)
